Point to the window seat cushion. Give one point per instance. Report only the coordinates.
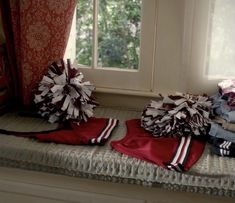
(210, 175)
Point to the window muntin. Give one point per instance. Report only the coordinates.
(114, 27)
(119, 33)
(140, 79)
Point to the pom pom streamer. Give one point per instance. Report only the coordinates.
(62, 94)
(177, 115)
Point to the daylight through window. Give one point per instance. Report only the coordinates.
(114, 42)
(114, 26)
(221, 43)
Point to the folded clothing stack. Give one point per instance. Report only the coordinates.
(223, 147)
(222, 129)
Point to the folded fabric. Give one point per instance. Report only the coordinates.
(229, 126)
(95, 131)
(223, 152)
(222, 143)
(227, 88)
(173, 153)
(222, 109)
(226, 125)
(217, 131)
(222, 147)
(229, 116)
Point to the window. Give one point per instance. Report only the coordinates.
(209, 49)
(114, 42)
(118, 33)
(221, 39)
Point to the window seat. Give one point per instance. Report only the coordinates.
(210, 175)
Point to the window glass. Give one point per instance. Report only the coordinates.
(115, 40)
(119, 33)
(221, 46)
(84, 32)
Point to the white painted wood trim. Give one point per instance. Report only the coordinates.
(141, 79)
(95, 34)
(126, 92)
(29, 186)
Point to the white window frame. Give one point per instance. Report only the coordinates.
(121, 80)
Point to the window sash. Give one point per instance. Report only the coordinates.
(126, 79)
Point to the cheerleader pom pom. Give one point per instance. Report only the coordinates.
(62, 94)
(177, 115)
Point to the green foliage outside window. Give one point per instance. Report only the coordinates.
(118, 33)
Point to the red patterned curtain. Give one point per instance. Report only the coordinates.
(40, 30)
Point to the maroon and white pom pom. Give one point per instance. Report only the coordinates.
(177, 115)
(62, 94)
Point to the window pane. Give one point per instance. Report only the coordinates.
(84, 27)
(221, 59)
(119, 33)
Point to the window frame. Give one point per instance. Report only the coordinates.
(117, 79)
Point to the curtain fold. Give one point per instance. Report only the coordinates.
(5, 89)
(8, 52)
(40, 32)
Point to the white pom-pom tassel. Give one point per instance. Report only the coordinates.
(178, 115)
(62, 94)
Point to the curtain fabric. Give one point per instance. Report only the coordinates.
(8, 65)
(208, 51)
(5, 92)
(40, 32)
